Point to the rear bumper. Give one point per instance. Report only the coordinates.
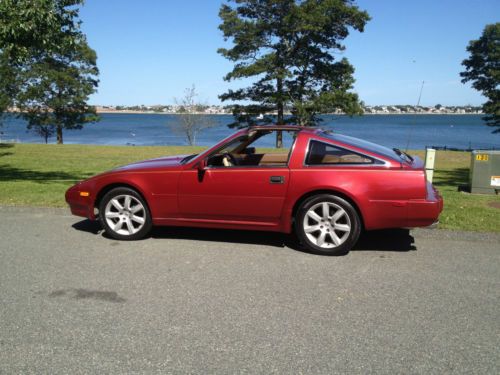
(434, 225)
(425, 213)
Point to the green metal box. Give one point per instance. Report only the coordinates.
(484, 177)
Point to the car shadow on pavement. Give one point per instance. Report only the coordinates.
(381, 240)
(89, 226)
(274, 239)
(386, 240)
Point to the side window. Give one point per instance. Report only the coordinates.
(255, 149)
(263, 151)
(267, 142)
(323, 154)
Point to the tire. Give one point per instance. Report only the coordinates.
(327, 224)
(124, 214)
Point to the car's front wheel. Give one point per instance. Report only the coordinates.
(327, 224)
(124, 214)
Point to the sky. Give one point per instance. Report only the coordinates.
(150, 51)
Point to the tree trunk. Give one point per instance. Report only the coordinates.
(279, 104)
(59, 135)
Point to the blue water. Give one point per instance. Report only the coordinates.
(460, 131)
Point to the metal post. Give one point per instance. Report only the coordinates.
(430, 158)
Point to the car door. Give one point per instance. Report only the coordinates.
(239, 193)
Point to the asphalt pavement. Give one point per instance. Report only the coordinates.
(224, 302)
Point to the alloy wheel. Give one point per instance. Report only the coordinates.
(327, 225)
(125, 215)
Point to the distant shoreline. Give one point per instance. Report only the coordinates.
(133, 112)
(130, 112)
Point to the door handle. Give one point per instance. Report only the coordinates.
(277, 179)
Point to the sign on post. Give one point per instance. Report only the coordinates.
(430, 158)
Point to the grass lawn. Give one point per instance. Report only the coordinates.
(38, 175)
(462, 210)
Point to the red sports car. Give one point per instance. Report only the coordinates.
(325, 186)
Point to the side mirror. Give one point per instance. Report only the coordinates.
(202, 165)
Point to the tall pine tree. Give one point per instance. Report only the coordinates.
(288, 48)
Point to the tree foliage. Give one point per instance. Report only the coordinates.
(47, 69)
(8, 87)
(288, 48)
(191, 121)
(482, 68)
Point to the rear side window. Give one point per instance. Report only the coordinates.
(360, 143)
(325, 154)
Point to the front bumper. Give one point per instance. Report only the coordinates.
(80, 205)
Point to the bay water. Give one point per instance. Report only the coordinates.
(416, 131)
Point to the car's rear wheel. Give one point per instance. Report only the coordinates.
(124, 214)
(327, 224)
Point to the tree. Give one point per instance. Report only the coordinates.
(48, 58)
(4, 105)
(44, 131)
(288, 47)
(57, 88)
(8, 87)
(191, 121)
(26, 28)
(482, 68)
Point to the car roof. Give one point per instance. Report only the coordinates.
(296, 128)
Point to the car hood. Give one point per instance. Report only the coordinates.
(159, 163)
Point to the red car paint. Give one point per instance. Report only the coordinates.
(390, 195)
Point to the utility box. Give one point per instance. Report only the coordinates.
(484, 177)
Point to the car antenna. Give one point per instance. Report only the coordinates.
(414, 119)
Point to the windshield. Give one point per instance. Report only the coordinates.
(368, 146)
(188, 158)
(234, 145)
